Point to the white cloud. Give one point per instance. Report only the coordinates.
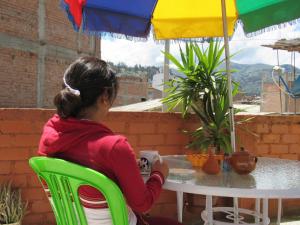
(250, 49)
(132, 52)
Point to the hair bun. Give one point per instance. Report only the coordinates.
(67, 103)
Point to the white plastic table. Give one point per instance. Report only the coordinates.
(272, 179)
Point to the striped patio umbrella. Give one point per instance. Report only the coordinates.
(181, 19)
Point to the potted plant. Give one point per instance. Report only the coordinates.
(203, 91)
(12, 208)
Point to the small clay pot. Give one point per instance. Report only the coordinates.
(211, 166)
(243, 162)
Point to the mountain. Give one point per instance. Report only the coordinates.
(250, 76)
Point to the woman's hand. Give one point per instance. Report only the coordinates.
(163, 168)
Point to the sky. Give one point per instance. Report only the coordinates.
(249, 50)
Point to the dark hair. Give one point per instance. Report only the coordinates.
(84, 81)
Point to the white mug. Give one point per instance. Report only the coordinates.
(147, 157)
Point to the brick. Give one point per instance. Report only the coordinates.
(18, 20)
(33, 219)
(141, 128)
(279, 149)
(290, 156)
(191, 126)
(133, 140)
(20, 67)
(178, 139)
(22, 167)
(169, 128)
(50, 218)
(262, 149)
(263, 128)
(6, 140)
(20, 127)
(279, 128)
(13, 154)
(27, 140)
(246, 203)
(294, 148)
(33, 181)
(17, 180)
(271, 156)
(20, 140)
(118, 127)
(41, 207)
(171, 150)
(290, 138)
(271, 138)
(151, 140)
(32, 194)
(5, 167)
(294, 129)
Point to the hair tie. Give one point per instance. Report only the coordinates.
(72, 90)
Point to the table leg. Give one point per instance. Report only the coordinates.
(257, 209)
(179, 205)
(209, 210)
(265, 211)
(236, 210)
(279, 211)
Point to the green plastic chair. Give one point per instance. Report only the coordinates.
(64, 178)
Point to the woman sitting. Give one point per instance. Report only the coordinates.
(77, 134)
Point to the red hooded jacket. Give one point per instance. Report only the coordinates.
(94, 145)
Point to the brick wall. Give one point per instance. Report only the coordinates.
(20, 129)
(37, 43)
(278, 137)
(18, 71)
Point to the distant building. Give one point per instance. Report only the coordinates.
(133, 89)
(154, 93)
(270, 100)
(37, 43)
(157, 81)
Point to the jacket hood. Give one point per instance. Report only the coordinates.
(60, 135)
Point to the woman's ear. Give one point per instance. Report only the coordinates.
(103, 100)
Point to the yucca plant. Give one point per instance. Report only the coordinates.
(203, 90)
(12, 208)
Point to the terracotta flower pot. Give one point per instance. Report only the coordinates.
(197, 160)
(212, 165)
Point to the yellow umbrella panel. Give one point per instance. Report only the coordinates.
(192, 18)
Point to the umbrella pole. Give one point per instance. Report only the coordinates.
(229, 81)
(166, 73)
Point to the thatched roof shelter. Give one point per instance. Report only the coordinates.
(289, 45)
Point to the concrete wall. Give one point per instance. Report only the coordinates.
(37, 43)
(270, 100)
(20, 129)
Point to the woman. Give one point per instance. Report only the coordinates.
(76, 133)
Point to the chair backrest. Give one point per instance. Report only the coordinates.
(64, 178)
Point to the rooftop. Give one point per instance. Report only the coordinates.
(283, 44)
